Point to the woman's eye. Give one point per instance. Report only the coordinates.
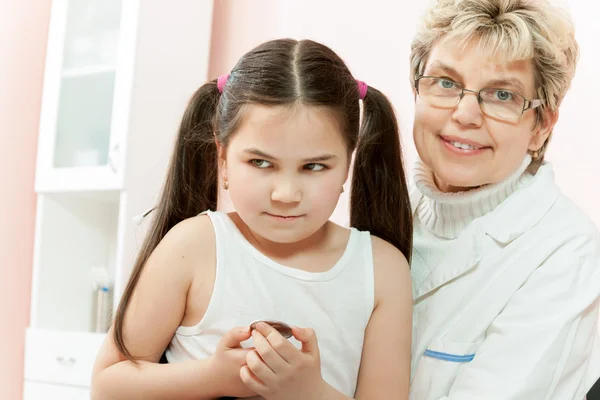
(261, 163)
(503, 95)
(446, 83)
(314, 167)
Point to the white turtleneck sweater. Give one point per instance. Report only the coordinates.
(445, 215)
(505, 281)
(440, 217)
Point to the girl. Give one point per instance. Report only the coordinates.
(282, 127)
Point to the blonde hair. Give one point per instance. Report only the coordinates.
(511, 30)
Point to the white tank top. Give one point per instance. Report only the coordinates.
(336, 303)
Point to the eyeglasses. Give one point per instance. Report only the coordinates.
(496, 103)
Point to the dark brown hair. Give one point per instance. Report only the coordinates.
(283, 72)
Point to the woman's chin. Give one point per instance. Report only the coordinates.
(457, 182)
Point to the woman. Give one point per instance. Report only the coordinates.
(506, 270)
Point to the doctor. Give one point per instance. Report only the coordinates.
(506, 269)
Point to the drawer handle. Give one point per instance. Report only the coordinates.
(66, 361)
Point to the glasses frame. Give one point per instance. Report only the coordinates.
(528, 104)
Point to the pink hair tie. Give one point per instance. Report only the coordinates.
(362, 89)
(221, 82)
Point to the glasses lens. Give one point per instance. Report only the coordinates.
(439, 92)
(502, 104)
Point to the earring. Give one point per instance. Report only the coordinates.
(535, 154)
(225, 185)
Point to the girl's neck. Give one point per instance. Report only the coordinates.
(324, 240)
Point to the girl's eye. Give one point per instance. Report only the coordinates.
(315, 167)
(261, 163)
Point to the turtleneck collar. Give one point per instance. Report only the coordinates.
(447, 214)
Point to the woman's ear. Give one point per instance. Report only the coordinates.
(414, 89)
(543, 129)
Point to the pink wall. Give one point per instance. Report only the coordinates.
(374, 38)
(23, 29)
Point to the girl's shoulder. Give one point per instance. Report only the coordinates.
(391, 271)
(190, 233)
(386, 255)
(188, 245)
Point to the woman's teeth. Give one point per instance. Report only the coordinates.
(464, 146)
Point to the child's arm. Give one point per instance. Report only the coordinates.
(385, 365)
(277, 370)
(186, 255)
(148, 380)
(197, 379)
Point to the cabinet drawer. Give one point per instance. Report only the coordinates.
(47, 391)
(61, 357)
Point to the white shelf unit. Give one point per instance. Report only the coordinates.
(83, 123)
(117, 79)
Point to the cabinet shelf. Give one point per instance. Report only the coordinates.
(118, 75)
(87, 71)
(78, 179)
(75, 233)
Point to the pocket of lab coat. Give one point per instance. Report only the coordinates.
(438, 367)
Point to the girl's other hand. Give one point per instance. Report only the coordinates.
(229, 357)
(277, 370)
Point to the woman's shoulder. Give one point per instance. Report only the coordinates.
(566, 231)
(563, 210)
(571, 214)
(541, 206)
(573, 229)
(566, 218)
(570, 243)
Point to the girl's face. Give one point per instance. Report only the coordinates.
(285, 166)
(464, 147)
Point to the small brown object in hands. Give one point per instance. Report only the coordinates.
(281, 327)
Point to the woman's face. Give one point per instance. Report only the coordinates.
(464, 147)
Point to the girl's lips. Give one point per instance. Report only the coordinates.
(284, 217)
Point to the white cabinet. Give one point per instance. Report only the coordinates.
(61, 357)
(37, 390)
(88, 70)
(118, 77)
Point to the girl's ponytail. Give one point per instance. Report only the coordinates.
(190, 187)
(379, 200)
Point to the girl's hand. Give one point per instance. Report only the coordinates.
(229, 357)
(277, 370)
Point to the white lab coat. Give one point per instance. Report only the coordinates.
(511, 311)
